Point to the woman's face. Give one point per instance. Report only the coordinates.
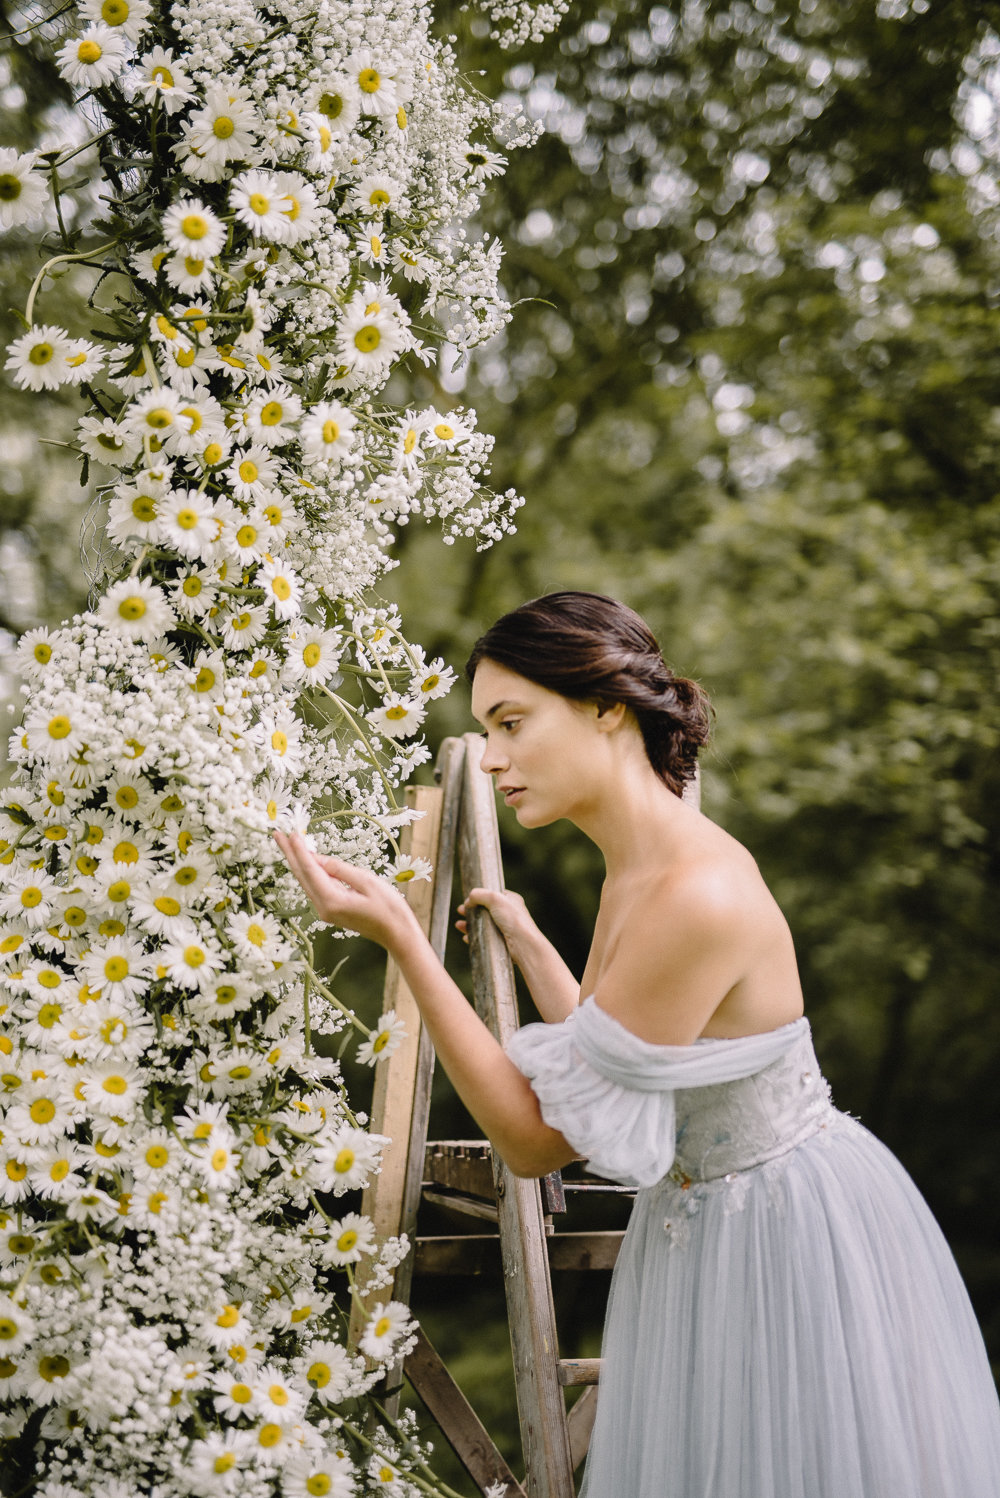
(546, 752)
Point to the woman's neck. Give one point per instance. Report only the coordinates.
(637, 822)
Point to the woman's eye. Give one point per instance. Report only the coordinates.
(509, 723)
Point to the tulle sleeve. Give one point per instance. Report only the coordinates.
(612, 1095)
(624, 1134)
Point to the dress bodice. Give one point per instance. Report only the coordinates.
(634, 1109)
(733, 1126)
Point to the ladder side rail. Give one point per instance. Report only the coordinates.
(541, 1406)
(448, 773)
(394, 1099)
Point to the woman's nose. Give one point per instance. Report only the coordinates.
(492, 760)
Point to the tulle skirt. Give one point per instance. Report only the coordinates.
(796, 1330)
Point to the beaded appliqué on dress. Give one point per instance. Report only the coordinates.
(735, 1134)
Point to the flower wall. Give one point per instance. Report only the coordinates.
(289, 191)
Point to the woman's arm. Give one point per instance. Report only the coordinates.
(498, 1096)
(554, 989)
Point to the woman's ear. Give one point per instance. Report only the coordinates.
(610, 715)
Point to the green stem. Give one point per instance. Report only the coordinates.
(362, 735)
(87, 143)
(59, 260)
(436, 1486)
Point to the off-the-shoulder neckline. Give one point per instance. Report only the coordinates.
(801, 1022)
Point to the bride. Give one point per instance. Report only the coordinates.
(785, 1320)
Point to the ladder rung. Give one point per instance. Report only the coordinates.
(469, 1206)
(463, 1164)
(573, 1371)
(478, 1253)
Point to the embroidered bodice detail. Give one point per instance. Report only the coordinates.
(634, 1109)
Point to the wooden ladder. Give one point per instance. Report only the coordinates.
(459, 816)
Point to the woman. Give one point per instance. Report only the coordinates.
(786, 1320)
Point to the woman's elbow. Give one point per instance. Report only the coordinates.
(530, 1161)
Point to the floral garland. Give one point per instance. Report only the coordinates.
(289, 192)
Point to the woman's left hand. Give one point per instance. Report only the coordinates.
(344, 895)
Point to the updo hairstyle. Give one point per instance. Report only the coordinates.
(593, 649)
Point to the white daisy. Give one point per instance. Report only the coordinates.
(272, 418)
(345, 1158)
(336, 99)
(220, 1166)
(376, 87)
(37, 359)
(118, 969)
(188, 523)
(302, 208)
(17, 1329)
(224, 129)
(327, 430)
(93, 59)
(398, 717)
(261, 205)
(129, 17)
(404, 869)
(312, 654)
(280, 735)
(249, 538)
(136, 608)
(435, 679)
(350, 1239)
(23, 194)
(253, 472)
(191, 963)
(371, 332)
(191, 275)
(483, 164)
(258, 936)
(191, 228)
(372, 245)
(376, 194)
(157, 413)
(411, 262)
(57, 733)
(383, 1041)
(387, 1323)
(83, 361)
(234, 1394)
(218, 1463)
(327, 1472)
(107, 441)
(243, 628)
(328, 1370)
(282, 589)
(113, 1088)
(159, 76)
(445, 433)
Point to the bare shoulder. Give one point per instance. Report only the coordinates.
(715, 884)
(688, 937)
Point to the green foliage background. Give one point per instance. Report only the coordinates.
(755, 391)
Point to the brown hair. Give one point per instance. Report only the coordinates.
(593, 649)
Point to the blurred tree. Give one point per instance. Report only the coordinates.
(757, 396)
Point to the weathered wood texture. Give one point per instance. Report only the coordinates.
(479, 1253)
(402, 1088)
(581, 1422)
(541, 1406)
(466, 1433)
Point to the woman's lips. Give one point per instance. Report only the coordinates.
(511, 793)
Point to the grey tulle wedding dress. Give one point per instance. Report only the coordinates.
(786, 1319)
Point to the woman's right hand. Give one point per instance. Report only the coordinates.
(509, 913)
